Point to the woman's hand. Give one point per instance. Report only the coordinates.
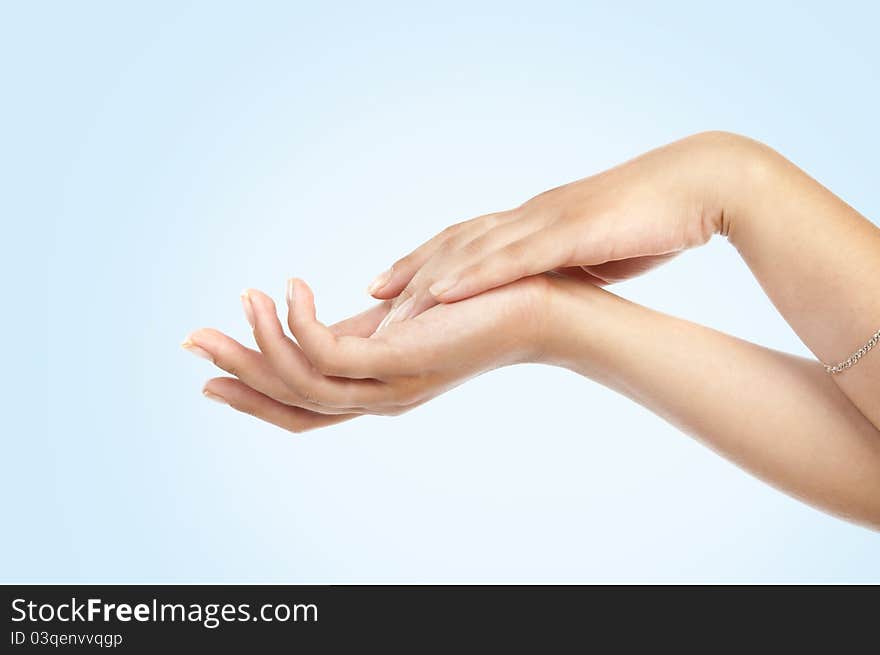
(772, 413)
(615, 225)
(767, 411)
(332, 374)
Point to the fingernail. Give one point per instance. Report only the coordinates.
(290, 293)
(195, 350)
(404, 310)
(381, 280)
(383, 322)
(213, 396)
(248, 308)
(442, 286)
(399, 313)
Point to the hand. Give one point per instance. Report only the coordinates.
(615, 225)
(333, 374)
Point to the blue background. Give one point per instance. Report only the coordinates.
(158, 158)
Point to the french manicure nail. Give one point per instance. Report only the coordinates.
(399, 313)
(381, 280)
(384, 322)
(195, 350)
(290, 293)
(213, 396)
(404, 310)
(248, 308)
(440, 287)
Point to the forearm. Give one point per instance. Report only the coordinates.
(817, 259)
(781, 417)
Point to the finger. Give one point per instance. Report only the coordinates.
(243, 398)
(390, 283)
(454, 256)
(537, 253)
(246, 364)
(346, 356)
(249, 366)
(363, 324)
(295, 368)
(282, 354)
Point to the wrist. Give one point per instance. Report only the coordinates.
(520, 320)
(559, 329)
(601, 336)
(733, 174)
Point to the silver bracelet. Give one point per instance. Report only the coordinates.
(853, 359)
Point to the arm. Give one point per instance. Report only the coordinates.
(816, 257)
(778, 416)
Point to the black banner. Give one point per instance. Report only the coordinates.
(281, 618)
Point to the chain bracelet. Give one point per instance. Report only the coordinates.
(853, 359)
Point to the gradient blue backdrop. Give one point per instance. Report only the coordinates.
(158, 158)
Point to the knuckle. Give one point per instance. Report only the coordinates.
(473, 247)
(443, 237)
(491, 221)
(453, 229)
(485, 242)
(473, 271)
(484, 220)
(448, 246)
(305, 395)
(404, 263)
(513, 258)
(230, 366)
(515, 250)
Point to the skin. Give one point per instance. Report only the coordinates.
(340, 372)
(816, 257)
(526, 287)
